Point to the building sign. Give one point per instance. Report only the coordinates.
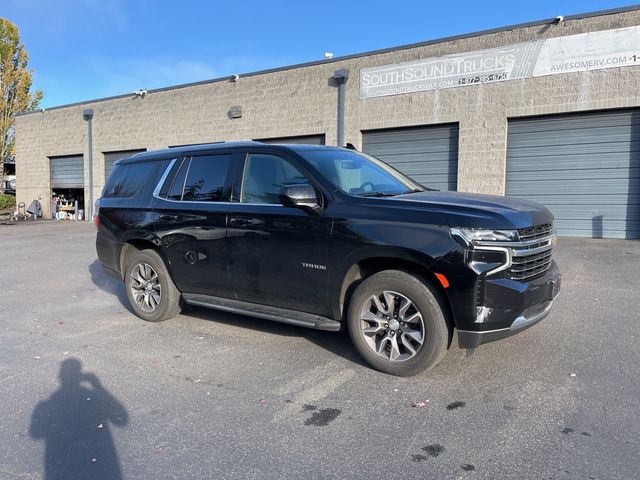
(575, 53)
(589, 51)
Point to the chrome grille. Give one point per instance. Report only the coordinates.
(531, 256)
(535, 232)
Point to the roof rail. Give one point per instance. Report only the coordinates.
(213, 143)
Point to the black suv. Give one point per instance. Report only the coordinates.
(326, 237)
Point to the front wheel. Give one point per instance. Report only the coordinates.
(397, 323)
(152, 294)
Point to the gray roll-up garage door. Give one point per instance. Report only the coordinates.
(584, 167)
(111, 157)
(429, 154)
(304, 140)
(67, 172)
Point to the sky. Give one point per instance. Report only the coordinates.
(86, 49)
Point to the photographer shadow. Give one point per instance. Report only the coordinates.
(74, 423)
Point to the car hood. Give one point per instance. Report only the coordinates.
(479, 210)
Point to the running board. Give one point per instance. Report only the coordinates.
(275, 314)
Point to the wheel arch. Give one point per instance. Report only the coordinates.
(132, 245)
(366, 267)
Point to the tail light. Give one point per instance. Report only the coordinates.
(96, 214)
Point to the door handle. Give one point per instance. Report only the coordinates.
(166, 216)
(240, 222)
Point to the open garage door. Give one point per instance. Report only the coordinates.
(584, 167)
(428, 154)
(67, 172)
(67, 186)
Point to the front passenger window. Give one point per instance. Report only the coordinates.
(265, 175)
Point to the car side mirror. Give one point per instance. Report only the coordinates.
(302, 196)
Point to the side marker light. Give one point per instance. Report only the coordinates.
(443, 280)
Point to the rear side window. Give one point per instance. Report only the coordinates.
(202, 179)
(129, 179)
(175, 190)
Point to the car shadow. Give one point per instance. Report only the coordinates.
(75, 424)
(338, 343)
(108, 284)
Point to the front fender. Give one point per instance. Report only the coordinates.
(386, 243)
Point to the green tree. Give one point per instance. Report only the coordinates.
(15, 87)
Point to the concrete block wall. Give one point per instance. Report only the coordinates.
(303, 101)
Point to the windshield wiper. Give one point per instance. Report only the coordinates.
(423, 189)
(415, 190)
(379, 194)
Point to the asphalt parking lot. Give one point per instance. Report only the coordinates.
(87, 390)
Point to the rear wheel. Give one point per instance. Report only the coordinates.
(152, 294)
(397, 323)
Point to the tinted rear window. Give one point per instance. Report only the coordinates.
(127, 180)
(207, 179)
(175, 190)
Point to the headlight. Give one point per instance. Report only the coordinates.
(482, 257)
(470, 236)
(483, 261)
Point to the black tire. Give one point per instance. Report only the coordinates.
(431, 320)
(162, 307)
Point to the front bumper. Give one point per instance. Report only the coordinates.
(510, 307)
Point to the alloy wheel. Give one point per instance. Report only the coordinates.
(392, 326)
(145, 287)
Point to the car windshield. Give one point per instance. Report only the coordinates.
(360, 174)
